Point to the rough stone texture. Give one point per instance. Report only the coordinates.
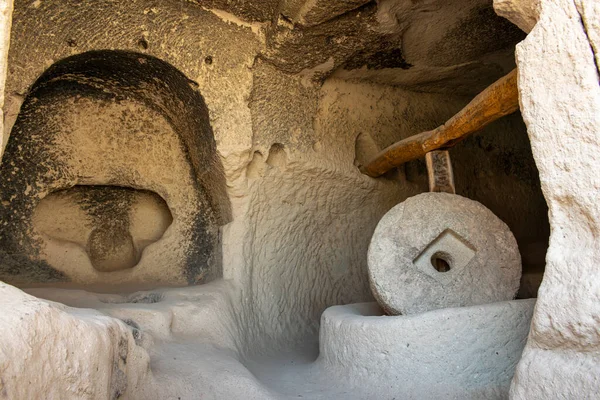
(444, 35)
(218, 52)
(217, 63)
(455, 47)
(244, 96)
(523, 13)
(314, 12)
(113, 224)
(196, 346)
(302, 213)
(500, 156)
(6, 9)
(334, 42)
(48, 350)
(439, 46)
(300, 200)
(191, 334)
(150, 129)
(461, 353)
(560, 102)
(480, 258)
(263, 10)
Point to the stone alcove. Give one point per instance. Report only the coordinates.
(304, 215)
(112, 177)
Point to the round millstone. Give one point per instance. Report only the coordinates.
(438, 250)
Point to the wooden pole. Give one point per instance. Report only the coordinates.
(439, 171)
(497, 100)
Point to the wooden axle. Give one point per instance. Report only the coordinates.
(439, 171)
(497, 100)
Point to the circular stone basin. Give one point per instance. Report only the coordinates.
(113, 224)
(463, 353)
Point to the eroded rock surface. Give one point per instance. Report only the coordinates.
(560, 101)
(453, 353)
(114, 120)
(48, 350)
(288, 93)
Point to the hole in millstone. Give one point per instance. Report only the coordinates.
(440, 261)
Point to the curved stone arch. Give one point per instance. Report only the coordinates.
(160, 86)
(141, 84)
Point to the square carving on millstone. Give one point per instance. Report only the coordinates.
(445, 256)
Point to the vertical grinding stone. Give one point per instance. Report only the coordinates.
(438, 250)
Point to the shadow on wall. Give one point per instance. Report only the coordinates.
(112, 135)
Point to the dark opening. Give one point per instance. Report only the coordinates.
(441, 262)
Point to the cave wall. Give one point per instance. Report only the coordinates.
(286, 131)
(302, 215)
(115, 120)
(560, 99)
(296, 194)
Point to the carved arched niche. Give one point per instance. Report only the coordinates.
(111, 176)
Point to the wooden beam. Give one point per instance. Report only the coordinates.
(439, 171)
(497, 100)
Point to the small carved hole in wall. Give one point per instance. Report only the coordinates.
(256, 167)
(365, 149)
(441, 261)
(277, 157)
(143, 44)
